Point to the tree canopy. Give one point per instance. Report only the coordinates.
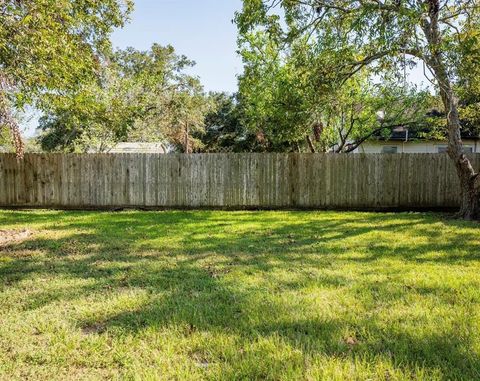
(225, 126)
(51, 46)
(295, 96)
(138, 95)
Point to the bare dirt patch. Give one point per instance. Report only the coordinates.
(12, 236)
(92, 329)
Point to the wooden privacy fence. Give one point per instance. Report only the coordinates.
(356, 181)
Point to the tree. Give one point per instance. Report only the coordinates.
(360, 110)
(91, 118)
(293, 98)
(185, 116)
(225, 129)
(380, 34)
(137, 96)
(172, 103)
(50, 46)
(280, 99)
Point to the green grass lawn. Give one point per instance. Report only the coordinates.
(240, 295)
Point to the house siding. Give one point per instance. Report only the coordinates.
(412, 146)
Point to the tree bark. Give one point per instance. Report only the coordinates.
(470, 195)
(310, 144)
(187, 139)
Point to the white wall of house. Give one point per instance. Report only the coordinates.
(135, 147)
(429, 146)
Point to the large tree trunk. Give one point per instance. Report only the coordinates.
(469, 209)
(470, 195)
(469, 179)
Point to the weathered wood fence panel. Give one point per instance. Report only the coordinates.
(357, 181)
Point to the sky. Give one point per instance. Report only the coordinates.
(200, 29)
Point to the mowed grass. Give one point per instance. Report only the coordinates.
(240, 296)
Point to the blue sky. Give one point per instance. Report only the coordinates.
(200, 29)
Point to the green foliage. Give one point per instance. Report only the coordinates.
(280, 94)
(5, 140)
(48, 47)
(138, 96)
(346, 31)
(91, 118)
(225, 130)
(53, 45)
(290, 94)
(361, 110)
(468, 82)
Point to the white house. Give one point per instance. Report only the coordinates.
(138, 147)
(401, 142)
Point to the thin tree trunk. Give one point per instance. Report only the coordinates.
(7, 120)
(310, 144)
(187, 140)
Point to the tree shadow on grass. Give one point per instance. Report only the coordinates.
(207, 305)
(122, 240)
(182, 260)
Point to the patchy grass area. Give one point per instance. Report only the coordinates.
(239, 295)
